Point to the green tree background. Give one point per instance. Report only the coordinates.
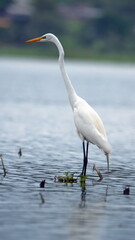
(112, 32)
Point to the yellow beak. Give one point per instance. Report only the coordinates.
(34, 40)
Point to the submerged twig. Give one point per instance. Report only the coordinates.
(98, 172)
(4, 169)
(20, 152)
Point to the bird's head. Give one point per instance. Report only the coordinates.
(49, 37)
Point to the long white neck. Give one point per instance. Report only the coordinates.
(70, 90)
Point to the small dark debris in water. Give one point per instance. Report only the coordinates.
(126, 191)
(98, 172)
(42, 184)
(4, 169)
(20, 152)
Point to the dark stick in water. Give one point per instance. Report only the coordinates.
(98, 172)
(4, 169)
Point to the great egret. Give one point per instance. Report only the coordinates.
(89, 125)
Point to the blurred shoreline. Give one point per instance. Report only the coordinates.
(71, 53)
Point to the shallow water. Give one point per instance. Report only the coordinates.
(36, 117)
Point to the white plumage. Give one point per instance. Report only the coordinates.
(89, 125)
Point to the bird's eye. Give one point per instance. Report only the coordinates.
(43, 37)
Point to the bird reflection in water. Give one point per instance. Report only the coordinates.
(87, 217)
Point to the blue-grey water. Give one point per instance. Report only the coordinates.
(35, 116)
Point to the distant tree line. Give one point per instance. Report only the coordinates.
(113, 30)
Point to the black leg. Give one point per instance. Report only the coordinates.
(85, 157)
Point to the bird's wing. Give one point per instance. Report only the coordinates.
(89, 125)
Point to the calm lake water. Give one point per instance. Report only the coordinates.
(35, 116)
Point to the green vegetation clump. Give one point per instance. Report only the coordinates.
(68, 178)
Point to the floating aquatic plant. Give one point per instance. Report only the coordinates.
(82, 179)
(68, 178)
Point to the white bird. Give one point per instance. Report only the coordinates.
(88, 124)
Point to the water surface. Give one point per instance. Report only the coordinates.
(36, 117)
